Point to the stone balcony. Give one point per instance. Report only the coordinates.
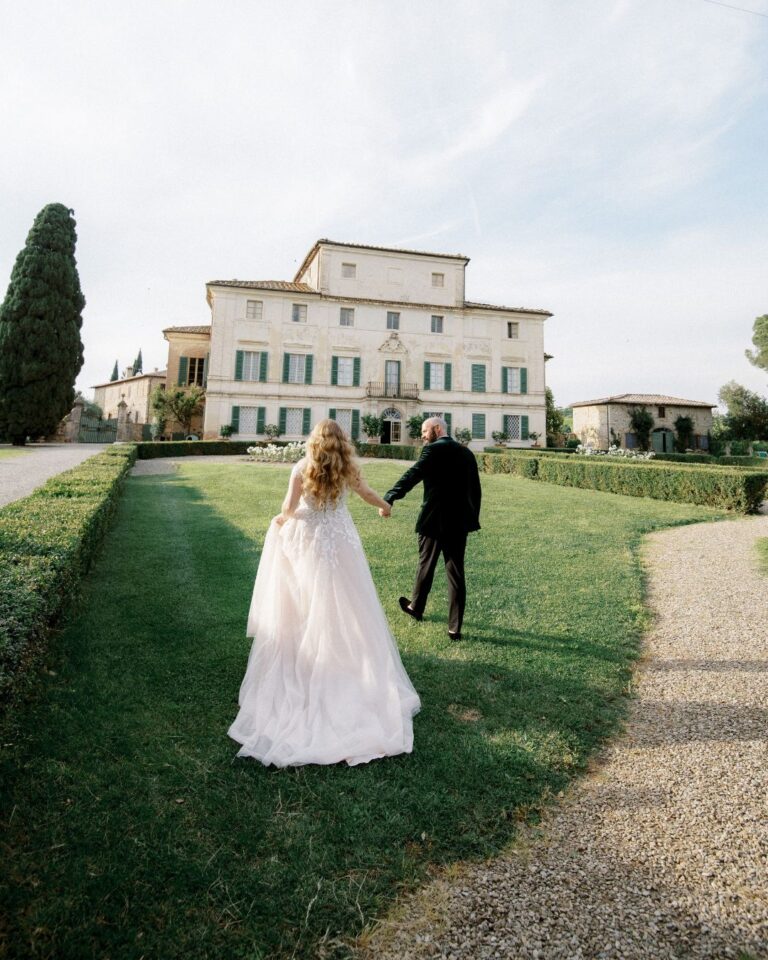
(395, 391)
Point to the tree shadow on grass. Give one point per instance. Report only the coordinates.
(134, 830)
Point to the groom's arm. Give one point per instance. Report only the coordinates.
(410, 478)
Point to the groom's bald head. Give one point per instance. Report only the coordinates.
(433, 428)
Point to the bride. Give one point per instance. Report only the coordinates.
(324, 681)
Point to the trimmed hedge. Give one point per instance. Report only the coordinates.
(389, 451)
(197, 448)
(718, 486)
(47, 542)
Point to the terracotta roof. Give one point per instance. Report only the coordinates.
(469, 305)
(652, 399)
(205, 328)
(367, 246)
(138, 376)
(265, 285)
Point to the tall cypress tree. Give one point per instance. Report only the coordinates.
(138, 363)
(115, 374)
(41, 352)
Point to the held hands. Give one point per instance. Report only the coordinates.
(385, 511)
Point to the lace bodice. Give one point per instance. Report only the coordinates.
(330, 526)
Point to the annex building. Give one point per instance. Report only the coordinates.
(363, 329)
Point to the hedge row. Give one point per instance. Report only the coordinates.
(389, 451)
(47, 542)
(729, 489)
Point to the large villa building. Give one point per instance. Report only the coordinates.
(363, 329)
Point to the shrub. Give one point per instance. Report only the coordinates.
(388, 451)
(278, 453)
(463, 435)
(47, 542)
(193, 448)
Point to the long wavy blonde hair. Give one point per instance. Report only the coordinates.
(330, 463)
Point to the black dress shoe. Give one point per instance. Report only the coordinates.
(454, 636)
(405, 607)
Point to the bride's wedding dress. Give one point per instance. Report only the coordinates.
(324, 681)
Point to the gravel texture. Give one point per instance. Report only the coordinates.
(662, 851)
(37, 462)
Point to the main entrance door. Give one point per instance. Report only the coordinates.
(391, 424)
(663, 441)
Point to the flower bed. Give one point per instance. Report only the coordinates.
(47, 542)
(272, 453)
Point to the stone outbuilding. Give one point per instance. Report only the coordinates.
(134, 389)
(601, 423)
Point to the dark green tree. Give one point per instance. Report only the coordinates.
(41, 352)
(747, 416)
(138, 363)
(115, 374)
(759, 356)
(683, 433)
(641, 421)
(555, 421)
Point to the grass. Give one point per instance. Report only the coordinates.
(130, 829)
(7, 453)
(762, 554)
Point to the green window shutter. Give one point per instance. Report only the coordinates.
(205, 370)
(183, 369)
(334, 371)
(332, 413)
(447, 378)
(308, 369)
(523, 380)
(478, 378)
(478, 426)
(355, 424)
(306, 421)
(449, 420)
(238, 364)
(504, 380)
(286, 366)
(263, 360)
(524, 427)
(235, 420)
(282, 417)
(261, 416)
(426, 375)
(356, 372)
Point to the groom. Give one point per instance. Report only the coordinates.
(451, 510)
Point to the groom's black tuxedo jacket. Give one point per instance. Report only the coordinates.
(451, 489)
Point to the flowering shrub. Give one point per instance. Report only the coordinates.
(614, 451)
(272, 453)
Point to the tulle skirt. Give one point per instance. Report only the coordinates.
(324, 681)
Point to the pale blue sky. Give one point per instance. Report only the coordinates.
(605, 160)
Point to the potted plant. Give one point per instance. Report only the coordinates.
(500, 438)
(371, 425)
(226, 431)
(463, 435)
(271, 431)
(535, 437)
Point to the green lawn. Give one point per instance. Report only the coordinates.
(7, 452)
(132, 831)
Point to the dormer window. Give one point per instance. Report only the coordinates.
(349, 271)
(438, 279)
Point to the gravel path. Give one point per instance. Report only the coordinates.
(662, 852)
(32, 465)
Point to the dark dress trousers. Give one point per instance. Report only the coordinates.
(450, 510)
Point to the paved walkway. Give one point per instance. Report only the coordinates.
(662, 851)
(24, 469)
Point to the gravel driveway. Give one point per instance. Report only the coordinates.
(662, 851)
(29, 467)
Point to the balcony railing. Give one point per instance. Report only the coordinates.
(397, 391)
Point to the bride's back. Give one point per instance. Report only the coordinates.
(329, 468)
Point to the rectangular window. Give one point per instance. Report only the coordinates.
(349, 271)
(511, 426)
(478, 426)
(294, 420)
(344, 420)
(513, 330)
(253, 309)
(478, 378)
(249, 418)
(662, 413)
(251, 366)
(393, 320)
(346, 371)
(296, 367)
(512, 380)
(299, 312)
(437, 324)
(438, 279)
(195, 371)
(437, 376)
(346, 317)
